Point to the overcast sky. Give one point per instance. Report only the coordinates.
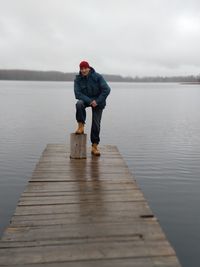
(127, 37)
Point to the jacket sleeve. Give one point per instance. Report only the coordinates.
(105, 90)
(79, 95)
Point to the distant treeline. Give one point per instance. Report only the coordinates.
(32, 75)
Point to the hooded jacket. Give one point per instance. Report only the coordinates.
(91, 87)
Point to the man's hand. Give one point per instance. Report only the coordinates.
(93, 104)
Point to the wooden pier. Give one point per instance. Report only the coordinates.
(84, 213)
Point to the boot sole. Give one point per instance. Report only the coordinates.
(97, 155)
(79, 133)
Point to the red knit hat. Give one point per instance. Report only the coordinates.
(84, 64)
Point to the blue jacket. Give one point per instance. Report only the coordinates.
(91, 87)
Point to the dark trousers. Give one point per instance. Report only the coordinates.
(96, 119)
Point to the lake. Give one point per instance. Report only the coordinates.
(156, 127)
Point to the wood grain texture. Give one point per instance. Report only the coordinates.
(84, 213)
(78, 146)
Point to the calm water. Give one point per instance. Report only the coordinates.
(155, 126)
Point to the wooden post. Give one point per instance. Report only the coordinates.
(78, 146)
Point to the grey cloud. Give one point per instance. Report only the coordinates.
(156, 37)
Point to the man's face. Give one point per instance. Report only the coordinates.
(85, 71)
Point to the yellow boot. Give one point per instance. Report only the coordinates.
(95, 151)
(80, 129)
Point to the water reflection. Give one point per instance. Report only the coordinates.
(157, 131)
(86, 172)
(96, 182)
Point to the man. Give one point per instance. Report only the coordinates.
(91, 90)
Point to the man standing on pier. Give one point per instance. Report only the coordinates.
(91, 90)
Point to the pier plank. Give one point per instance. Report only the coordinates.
(85, 251)
(83, 213)
(170, 261)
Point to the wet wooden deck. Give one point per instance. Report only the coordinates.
(84, 213)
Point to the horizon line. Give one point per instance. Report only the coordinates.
(123, 76)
